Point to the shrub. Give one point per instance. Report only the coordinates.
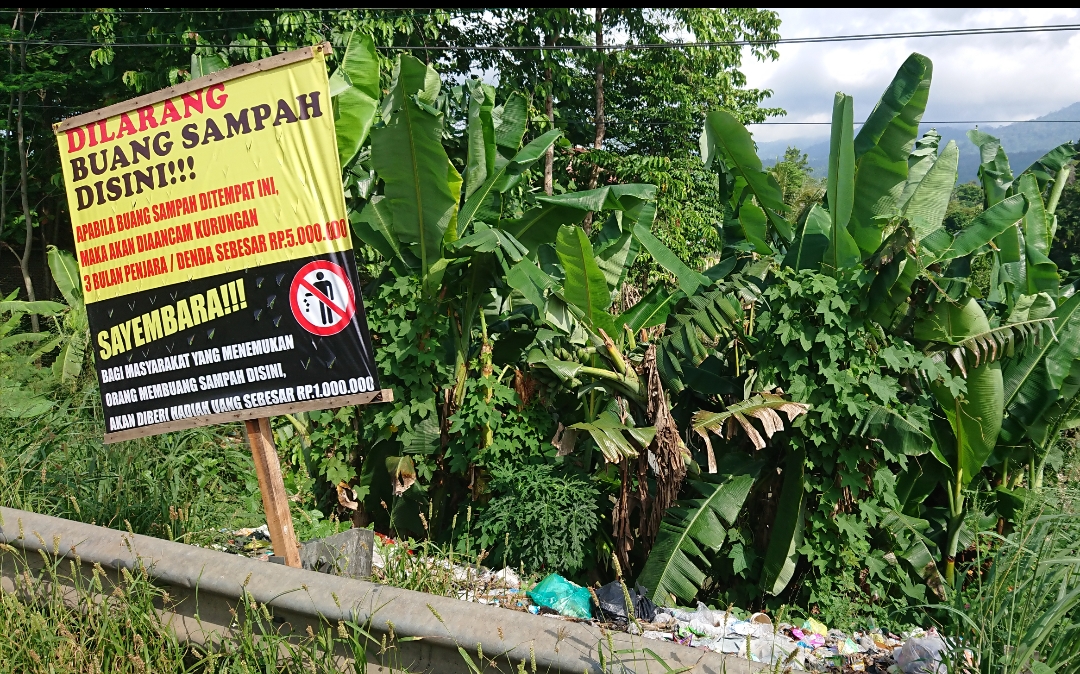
(549, 516)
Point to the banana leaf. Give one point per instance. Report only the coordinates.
(811, 241)
(530, 281)
(374, 225)
(725, 138)
(585, 286)
(408, 155)
(541, 225)
(65, 273)
(689, 280)
(919, 162)
(843, 251)
(694, 526)
(354, 87)
(786, 535)
(925, 208)
(986, 227)
(510, 120)
(994, 172)
(1046, 167)
(480, 134)
(616, 440)
(651, 310)
(1032, 382)
(504, 170)
(882, 149)
(1041, 272)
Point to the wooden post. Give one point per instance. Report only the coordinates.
(275, 501)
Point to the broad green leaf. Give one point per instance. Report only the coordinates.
(39, 307)
(974, 416)
(913, 546)
(480, 132)
(1046, 167)
(510, 120)
(919, 162)
(21, 338)
(541, 224)
(408, 155)
(355, 88)
(1033, 380)
(693, 526)
(453, 183)
(202, 65)
(651, 310)
(986, 227)
(484, 239)
(752, 225)
(811, 241)
(354, 114)
(689, 280)
(724, 137)
(925, 208)
(952, 323)
(564, 370)
(530, 281)
(585, 286)
(65, 273)
(361, 64)
(994, 171)
(786, 535)
(73, 356)
(616, 440)
(843, 251)
(1041, 272)
(528, 156)
(607, 198)
(882, 149)
(374, 226)
(615, 260)
(901, 434)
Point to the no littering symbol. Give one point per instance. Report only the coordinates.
(322, 298)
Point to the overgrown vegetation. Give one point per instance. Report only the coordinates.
(747, 384)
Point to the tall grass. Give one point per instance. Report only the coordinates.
(180, 486)
(98, 629)
(1016, 611)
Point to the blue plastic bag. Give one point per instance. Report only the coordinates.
(569, 599)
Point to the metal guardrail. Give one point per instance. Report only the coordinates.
(206, 585)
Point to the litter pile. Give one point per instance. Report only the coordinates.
(811, 646)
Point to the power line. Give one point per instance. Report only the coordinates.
(978, 121)
(962, 32)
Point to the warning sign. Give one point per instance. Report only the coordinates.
(214, 250)
(322, 298)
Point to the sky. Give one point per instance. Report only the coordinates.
(976, 78)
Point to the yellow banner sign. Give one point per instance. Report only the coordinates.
(216, 179)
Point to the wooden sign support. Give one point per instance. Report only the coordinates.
(275, 500)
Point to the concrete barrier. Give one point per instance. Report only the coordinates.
(207, 585)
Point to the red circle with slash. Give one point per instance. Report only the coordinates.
(322, 299)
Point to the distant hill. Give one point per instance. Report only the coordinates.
(1023, 142)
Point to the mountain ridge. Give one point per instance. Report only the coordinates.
(1024, 142)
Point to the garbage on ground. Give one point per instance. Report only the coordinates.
(809, 646)
(251, 542)
(348, 553)
(612, 603)
(559, 594)
(922, 655)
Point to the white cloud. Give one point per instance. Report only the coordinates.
(976, 78)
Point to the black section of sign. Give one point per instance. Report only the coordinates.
(245, 349)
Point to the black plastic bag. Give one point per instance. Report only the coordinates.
(612, 605)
